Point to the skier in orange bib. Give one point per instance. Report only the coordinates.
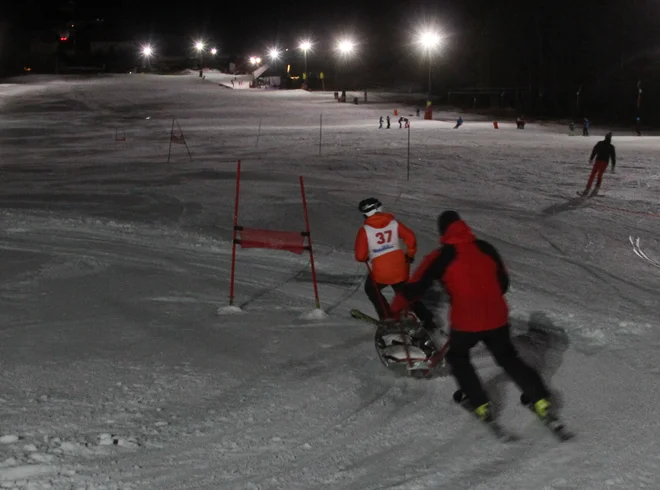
(378, 241)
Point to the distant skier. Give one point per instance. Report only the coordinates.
(585, 126)
(400, 122)
(571, 128)
(638, 126)
(603, 151)
(459, 122)
(476, 281)
(406, 123)
(388, 122)
(380, 123)
(417, 112)
(377, 241)
(520, 122)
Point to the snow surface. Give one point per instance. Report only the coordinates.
(118, 372)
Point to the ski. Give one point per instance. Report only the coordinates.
(554, 424)
(586, 196)
(358, 315)
(500, 433)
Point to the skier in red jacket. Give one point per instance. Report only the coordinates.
(476, 280)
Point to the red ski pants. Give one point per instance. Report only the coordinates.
(597, 170)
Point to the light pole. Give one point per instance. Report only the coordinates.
(429, 40)
(345, 48)
(147, 51)
(305, 46)
(199, 46)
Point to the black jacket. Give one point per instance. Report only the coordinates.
(603, 151)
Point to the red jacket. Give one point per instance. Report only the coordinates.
(387, 267)
(473, 275)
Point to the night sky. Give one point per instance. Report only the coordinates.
(549, 47)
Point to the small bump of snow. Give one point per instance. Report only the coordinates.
(315, 314)
(30, 448)
(42, 458)
(229, 310)
(8, 439)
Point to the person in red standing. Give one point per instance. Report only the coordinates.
(603, 152)
(378, 241)
(476, 281)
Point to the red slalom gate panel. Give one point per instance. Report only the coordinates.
(289, 241)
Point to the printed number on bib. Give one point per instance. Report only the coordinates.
(384, 237)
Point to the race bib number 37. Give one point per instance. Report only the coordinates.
(382, 240)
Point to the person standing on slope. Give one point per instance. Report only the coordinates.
(476, 281)
(378, 241)
(603, 151)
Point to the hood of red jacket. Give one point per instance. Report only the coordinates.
(379, 220)
(458, 232)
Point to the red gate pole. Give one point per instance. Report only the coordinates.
(309, 239)
(233, 246)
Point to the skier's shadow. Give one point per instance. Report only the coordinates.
(569, 205)
(541, 344)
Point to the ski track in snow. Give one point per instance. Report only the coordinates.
(118, 373)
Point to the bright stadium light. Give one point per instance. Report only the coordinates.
(346, 46)
(214, 51)
(199, 45)
(273, 54)
(147, 51)
(305, 45)
(429, 40)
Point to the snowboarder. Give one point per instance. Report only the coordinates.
(585, 127)
(520, 122)
(377, 241)
(388, 122)
(476, 281)
(571, 128)
(380, 123)
(603, 151)
(400, 122)
(459, 122)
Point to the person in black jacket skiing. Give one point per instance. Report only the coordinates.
(603, 151)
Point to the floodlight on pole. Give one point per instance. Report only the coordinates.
(147, 51)
(429, 40)
(346, 46)
(214, 51)
(305, 46)
(273, 54)
(199, 46)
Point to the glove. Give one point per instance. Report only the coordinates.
(409, 259)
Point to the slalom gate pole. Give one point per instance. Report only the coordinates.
(258, 133)
(386, 308)
(408, 168)
(185, 142)
(309, 241)
(233, 246)
(320, 133)
(169, 151)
